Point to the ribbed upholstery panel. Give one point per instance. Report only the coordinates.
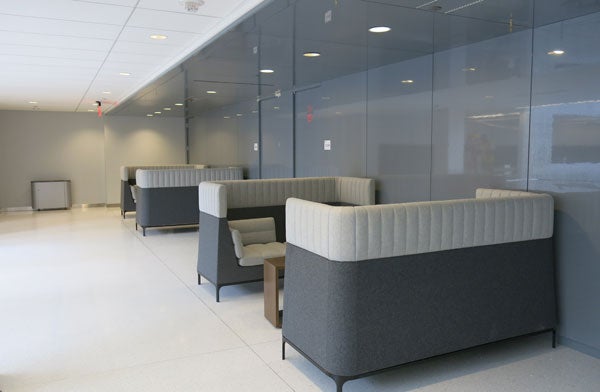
(128, 172)
(275, 192)
(170, 178)
(487, 193)
(212, 199)
(352, 190)
(372, 232)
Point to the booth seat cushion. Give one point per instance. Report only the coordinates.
(254, 240)
(256, 254)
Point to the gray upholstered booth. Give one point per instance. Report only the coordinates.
(370, 288)
(128, 182)
(226, 201)
(169, 197)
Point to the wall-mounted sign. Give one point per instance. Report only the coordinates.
(328, 16)
(327, 145)
(255, 146)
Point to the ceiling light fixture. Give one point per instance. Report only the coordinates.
(465, 6)
(556, 52)
(158, 37)
(33, 102)
(226, 117)
(211, 92)
(379, 29)
(408, 81)
(149, 115)
(124, 74)
(311, 54)
(178, 104)
(266, 71)
(239, 114)
(157, 112)
(106, 92)
(91, 110)
(470, 69)
(192, 5)
(167, 109)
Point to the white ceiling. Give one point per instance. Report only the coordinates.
(65, 54)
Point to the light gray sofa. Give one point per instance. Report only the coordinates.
(222, 202)
(371, 288)
(169, 197)
(128, 182)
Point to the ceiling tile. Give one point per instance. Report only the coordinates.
(37, 40)
(68, 10)
(170, 21)
(218, 8)
(56, 27)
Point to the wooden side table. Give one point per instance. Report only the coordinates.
(272, 268)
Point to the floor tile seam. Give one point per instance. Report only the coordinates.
(130, 367)
(213, 312)
(272, 369)
(190, 289)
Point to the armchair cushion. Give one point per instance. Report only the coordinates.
(254, 240)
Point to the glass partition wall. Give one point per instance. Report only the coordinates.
(433, 99)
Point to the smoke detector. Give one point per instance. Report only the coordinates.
(192, 5)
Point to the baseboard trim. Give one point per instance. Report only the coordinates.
(581, 347)
(82, 206)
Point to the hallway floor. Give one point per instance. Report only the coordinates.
(88, 304)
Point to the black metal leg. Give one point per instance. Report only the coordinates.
(136, 226)
(554, 338)
(339, 382)
(282, 350)
(144, 231)
(199, 279)
(217, 292)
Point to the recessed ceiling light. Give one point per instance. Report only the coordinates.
(311, 54)
(124, 74)
(159, 37)
(167, 109)
(239, 114)
(178, 104)
(379, 29)
(149, 115)
(408, 81)
(211, 92)
(266, 71)
(469, 69)
(157, 112)
(255, 111)
(106, 92)
(33, 102)
(226, 117)
(325, 98)
(276, 107)
(556, 52)
(489, 97)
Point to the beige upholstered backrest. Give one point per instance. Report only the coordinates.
(216, 197)
(167, 178)
(128, 172)
(371, 232)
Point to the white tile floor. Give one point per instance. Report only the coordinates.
(88, 304)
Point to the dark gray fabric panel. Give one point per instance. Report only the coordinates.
(354, 318)
(216, 254)
(167, 206)
(127, 203)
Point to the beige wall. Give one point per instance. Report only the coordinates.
(49, 146)
(82, 148)
(140, 141)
